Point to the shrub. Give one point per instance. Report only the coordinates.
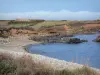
(25, 65)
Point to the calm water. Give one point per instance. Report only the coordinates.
(84, 53)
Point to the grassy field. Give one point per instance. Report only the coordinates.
(40, 24)
(25, 65)
(48, 23)
(20, 25)
(24, 23)
(51, 23)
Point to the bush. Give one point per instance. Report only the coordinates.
(7, 67)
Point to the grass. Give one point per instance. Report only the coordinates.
(20, 25)
(24, 23)
(41, 24)
(25, 65)
(51, 23)
(47, 23)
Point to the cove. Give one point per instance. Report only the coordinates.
(83, 53)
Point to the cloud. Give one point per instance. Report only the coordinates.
(52, 15)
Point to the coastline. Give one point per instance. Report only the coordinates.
(17, 45)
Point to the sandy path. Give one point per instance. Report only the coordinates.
(15, 43)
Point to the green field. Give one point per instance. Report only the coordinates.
(37, 25)
(47, 23)
(50, 23)
(20, 25)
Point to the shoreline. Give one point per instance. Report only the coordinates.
(16, 46)
(19, 49)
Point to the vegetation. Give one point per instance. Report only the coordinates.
(25, 65)
(43, 23)
(39, 23)
(75, 26)
(4, 35)
(50, 23)
(24, 23)
(72, 23)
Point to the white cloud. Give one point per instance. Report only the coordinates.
(53, 15)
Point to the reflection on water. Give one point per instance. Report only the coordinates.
(84, 53)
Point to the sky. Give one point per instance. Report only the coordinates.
(50, 9)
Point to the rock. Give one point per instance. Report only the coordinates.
(97, 39)
(75, 41)
(57, 39)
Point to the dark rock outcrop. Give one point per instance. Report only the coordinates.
(75, 41)
(57, 39)
(97, 39)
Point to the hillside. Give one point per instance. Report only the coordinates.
(49, 26)
(46, 23)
